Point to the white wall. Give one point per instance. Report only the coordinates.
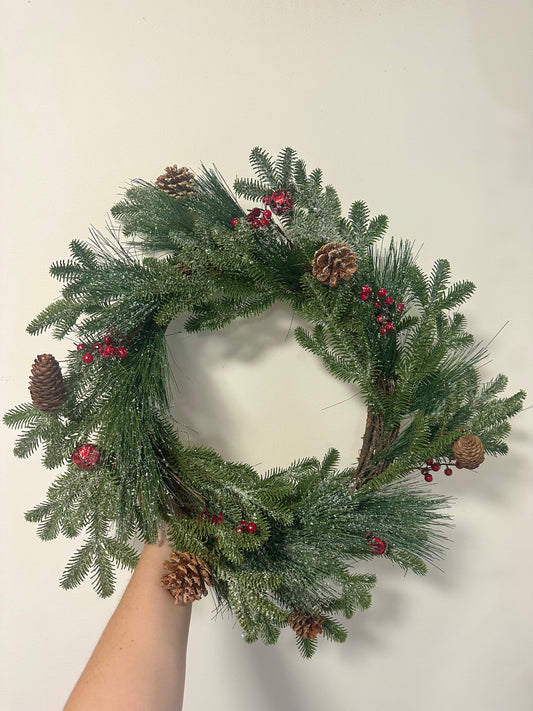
(421, 108)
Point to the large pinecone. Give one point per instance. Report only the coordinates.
(177, 182)
(306, 625)
(187, 577)
(47, 388)
(334, 261)
(469, 451)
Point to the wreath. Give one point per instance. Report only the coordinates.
(283, 549)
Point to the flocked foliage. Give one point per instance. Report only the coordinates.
(312, 521)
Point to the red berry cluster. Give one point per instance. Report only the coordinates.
(246, 527)
(385, 306)
(279, 201)
(258, 217)
(377, 545)
(214, 518)
(106, 349)
(434, 465)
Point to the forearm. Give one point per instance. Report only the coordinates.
(139, 661)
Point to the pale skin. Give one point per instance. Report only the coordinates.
(139, 661)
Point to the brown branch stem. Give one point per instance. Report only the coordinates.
(184, 485)
(376, 439)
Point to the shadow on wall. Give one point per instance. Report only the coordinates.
(200, 363)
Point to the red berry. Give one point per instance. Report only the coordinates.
(428, 477)
(435, 466)
(383, 330)
(377, 545)
(266, 199)
(87, 358)
(264, 222)
(377, 304)
(429, 462)
(400, 307)
(388, 326)
(458, 465)
(364, 297)
(255, 223)
(382, 292)
(235, 222)
(239, 529)
(122, 353)
(267, 214)
(366, 289)
(251, 527)
(108, 351)
(389, 301)
(379, 318)
(281, 201)
(86, 456)
(448, 471)
(80, 347)
(97, 346)
(255, 212)
(106, 340)
(200, 518)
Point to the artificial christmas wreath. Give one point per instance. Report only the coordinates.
(283, 549)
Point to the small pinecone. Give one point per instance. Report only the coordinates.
(305, 625)
(469, 451)
(187, 577)
(334, 261)
(47, 388)
(184, 269)
(177, 182)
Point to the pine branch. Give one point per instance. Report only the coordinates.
(263, 165)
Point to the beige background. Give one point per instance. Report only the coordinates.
(422, 108)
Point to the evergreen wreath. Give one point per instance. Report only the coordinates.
(283, 549)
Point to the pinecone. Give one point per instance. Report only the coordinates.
(47, 388)
(469, 451)
(334, 261)
(184, 269)
(187, 577)
(306, 625)
(177, 182)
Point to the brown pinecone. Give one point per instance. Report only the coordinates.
(177, 182)
(469, 451)
(47, 388)
(184, 269)
(306, 625)
(187, 577)
(334, 261)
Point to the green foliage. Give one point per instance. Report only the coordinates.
(308, 534)
(85, 500)
(421, 381)
(40, 428)
(365, 231)
(151, 212)
(273, 175)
